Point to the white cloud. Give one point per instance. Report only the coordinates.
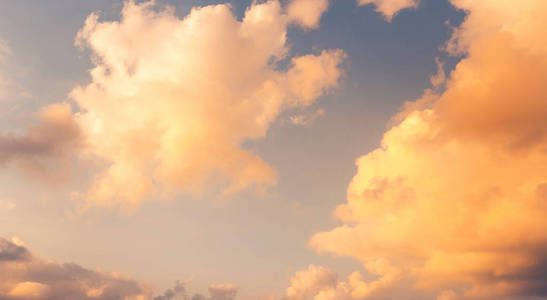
(172, 100)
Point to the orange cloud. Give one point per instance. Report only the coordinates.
(320, 283)
(455, 196)
(172, 100)
(389, 8)
(309, 282)
(29, 290)
(307, 13)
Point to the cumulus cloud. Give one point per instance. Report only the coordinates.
(23, 276)
(310, 282)
(172, 100)
(307, 13)
(389, 8)
(320, 283)
(454, 199)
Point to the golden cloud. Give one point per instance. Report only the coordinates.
(172, 100)
(454, 199)
(307, 13)
(389, 8)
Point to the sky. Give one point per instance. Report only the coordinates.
(276, 149)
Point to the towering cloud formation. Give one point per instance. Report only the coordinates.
(23, 276)
(455, 199)
(172, 100)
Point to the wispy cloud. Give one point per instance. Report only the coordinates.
(10, 88)
(55, 139)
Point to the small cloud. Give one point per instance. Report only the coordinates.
(307, 13)
(389, 8)
(439, 78)
(307, 119)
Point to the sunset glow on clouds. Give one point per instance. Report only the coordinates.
(452, 204)
(27, 277)
(168, 112)
(455, 197)
(24, 276)
(390, 8)
(46, 147)
(183, 108)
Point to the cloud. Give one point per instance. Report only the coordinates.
(12, 252)
(311, 281)
(45, 146)
(438, 79)
(389, 8)
(307, 13)
(320, 283)
(454, 199)
(306, 119)
(30, 290)
(172, 100)
(223, 291)
(177, 292)
(23, 276)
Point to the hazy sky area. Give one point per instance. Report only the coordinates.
(265, 149)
